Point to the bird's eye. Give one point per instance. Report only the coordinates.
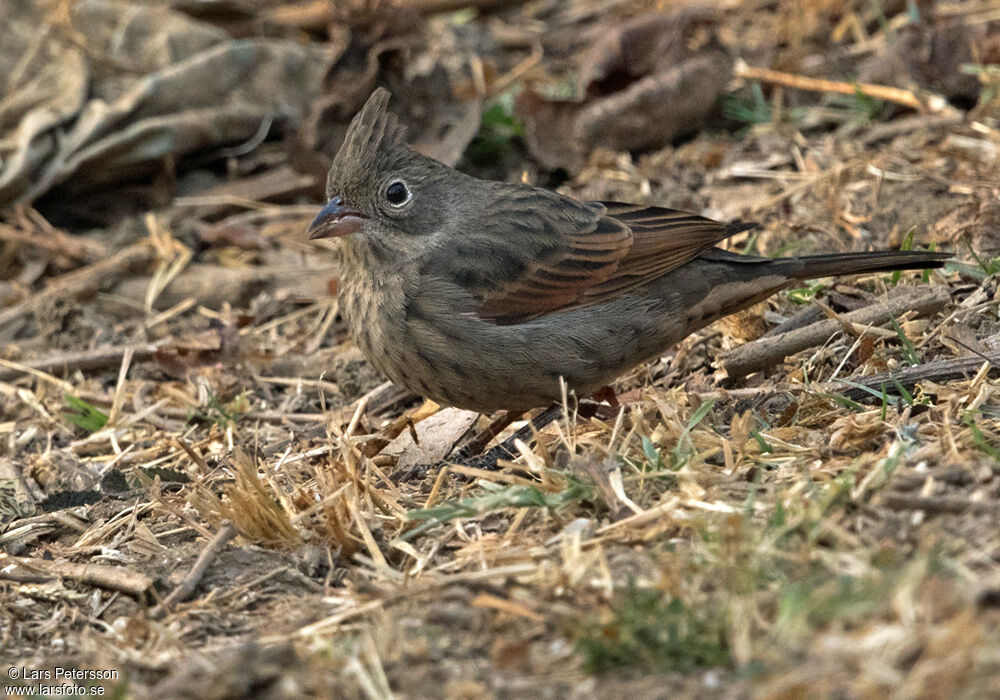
(397, 193)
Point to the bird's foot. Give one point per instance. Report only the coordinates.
(478, 443)
(505, 450)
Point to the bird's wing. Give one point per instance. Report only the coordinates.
(584, 258)
(523, 252)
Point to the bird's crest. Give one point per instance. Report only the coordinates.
(373, 130)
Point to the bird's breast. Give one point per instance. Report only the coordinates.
(372, 303)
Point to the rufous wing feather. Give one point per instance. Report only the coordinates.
(627, 247)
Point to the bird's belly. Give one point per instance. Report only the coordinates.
(477, 374)
(462, 361)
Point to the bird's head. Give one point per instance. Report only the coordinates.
(381, 190)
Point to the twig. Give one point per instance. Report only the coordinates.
(935, 504)
(15, 539)
(54, 241)
(478, 443)
(928, 103)
(357, 609)
(249, 192)
(78, 282)
(299, 383)
(164, 316)
(119, 396)
(113, 578)
(431, 7)
(195, 457)
(12, 369)
(191, 581)
(317, 15)
(264, 416)
(765, 352)
(906, 125)
(98, 358)
(907, 377)
(744, 393)
(801, 319)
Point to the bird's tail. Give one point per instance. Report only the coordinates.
(758, 278)
(814, 266)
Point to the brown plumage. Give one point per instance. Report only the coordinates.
(483, 294)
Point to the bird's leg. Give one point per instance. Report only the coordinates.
(506, 448)
(480, 441)
(586, 409)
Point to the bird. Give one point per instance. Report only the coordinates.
(488, 295)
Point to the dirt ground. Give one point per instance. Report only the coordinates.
(206, 492)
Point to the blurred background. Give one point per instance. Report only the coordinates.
(112, 108)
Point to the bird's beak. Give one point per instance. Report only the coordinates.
(335, 220)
